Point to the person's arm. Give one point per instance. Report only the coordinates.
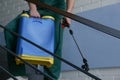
(33, 10)
(70, 5)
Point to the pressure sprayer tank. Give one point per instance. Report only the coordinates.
(41, 32)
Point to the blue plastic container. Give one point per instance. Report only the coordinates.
(39, 31)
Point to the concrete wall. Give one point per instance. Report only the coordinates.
(11, 8)
(102, 73)
(83, 5)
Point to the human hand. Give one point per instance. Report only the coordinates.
(34, 13)
(68, 20)
(65, 22)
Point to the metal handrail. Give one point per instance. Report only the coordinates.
(100, 27)
(12, 53)
(65, 61)
(3, 69)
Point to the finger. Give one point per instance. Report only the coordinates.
(38, 16)
(68, 20)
